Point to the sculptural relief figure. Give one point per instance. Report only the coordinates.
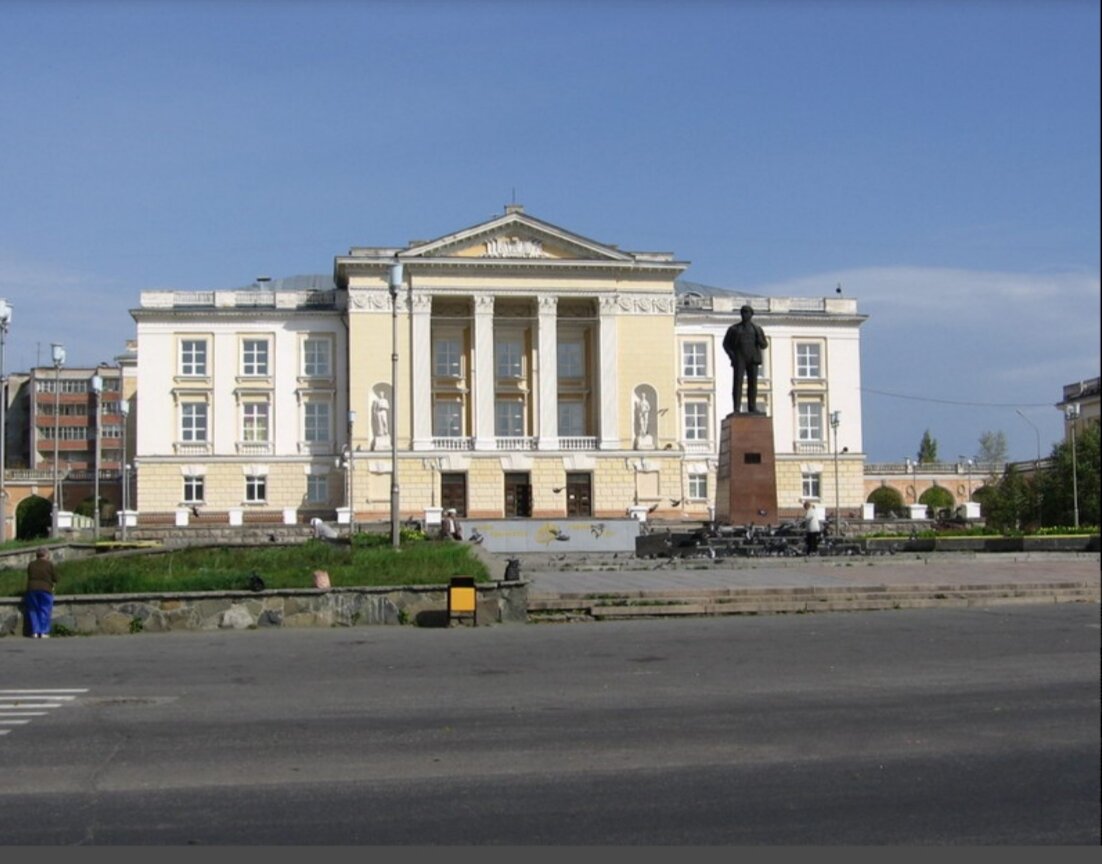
(743, 344)
(643, 437)
(380, 415)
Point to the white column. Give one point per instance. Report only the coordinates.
(609, 384)
(421, 361)
(483, 385)
(548, 430)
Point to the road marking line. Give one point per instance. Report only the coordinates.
(18, 706)
(15, 722)
(23, 714)
(66, 690)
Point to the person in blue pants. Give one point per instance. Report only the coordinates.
(38, 601)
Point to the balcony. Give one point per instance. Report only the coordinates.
(455, 442)
(192, 448)
(519, 442)
(254, 448)
(578, 442)
(810, 448)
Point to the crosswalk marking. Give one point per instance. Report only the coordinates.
(17, 707)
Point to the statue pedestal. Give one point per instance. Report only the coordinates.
(746, 477)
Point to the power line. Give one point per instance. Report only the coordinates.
(954, 402)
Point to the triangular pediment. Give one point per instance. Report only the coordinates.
(515, 236)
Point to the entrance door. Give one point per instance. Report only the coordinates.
(453, 492)
(518, 495)
(579, 494)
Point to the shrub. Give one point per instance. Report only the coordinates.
(886, 500)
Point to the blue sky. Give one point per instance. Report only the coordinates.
(939, 160)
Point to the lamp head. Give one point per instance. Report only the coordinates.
(5, 313)
(58, 352)
(395, 277)
(97, 384)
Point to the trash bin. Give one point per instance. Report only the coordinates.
(512, 570)
(462, 599)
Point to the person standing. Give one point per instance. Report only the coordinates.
(743, 344)
(813, 528)
(38, 601)
(449, 526)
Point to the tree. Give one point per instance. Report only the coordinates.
(927, 449)
(887, 501)
(1056, 485)
(992, 448)
(937, 498)
(1011, 504)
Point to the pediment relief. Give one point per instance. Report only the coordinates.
(516, 238)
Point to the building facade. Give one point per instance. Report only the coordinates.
(510, 369)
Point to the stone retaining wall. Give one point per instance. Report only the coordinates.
(497, 603)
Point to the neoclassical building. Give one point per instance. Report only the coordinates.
(510, 369)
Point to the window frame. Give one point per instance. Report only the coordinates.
(696, 366)
(808, 367)
(256, 488)
(804, 428)
(194, 367)
(256, 356)
(194, 483)
(310, 345)
(192, 411)
(697, 430)
(256, 418)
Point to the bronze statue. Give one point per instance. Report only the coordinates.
(744, 343)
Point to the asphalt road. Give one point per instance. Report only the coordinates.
(976, 726)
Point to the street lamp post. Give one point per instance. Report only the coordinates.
(1036, 432)
(5, 321)
(348, 476)
(124, 410)
(58, 354)
(969, 462)
(97, 392)
(835, 420)
(394, 280)
(1072, 414)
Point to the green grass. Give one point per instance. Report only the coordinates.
(367, 562)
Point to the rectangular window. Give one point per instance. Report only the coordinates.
(193, 357)
(316, 358)
(810, 421)
(509, 356)
(256, 488)
(810, 483)
(571, 360)
(447, 419)
(193, 421)
(193, 490)
(508, 418)
(808, 360)
(571, 419)
(696, 421)
(446, 358)
(317, 489)
(254, 357)
(698, 486)
(254, 421)
(694, 360)
(316, 422)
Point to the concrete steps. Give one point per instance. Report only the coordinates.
(762, 601)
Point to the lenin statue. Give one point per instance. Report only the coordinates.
(744, 343)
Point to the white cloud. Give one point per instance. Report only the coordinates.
(961, 352)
